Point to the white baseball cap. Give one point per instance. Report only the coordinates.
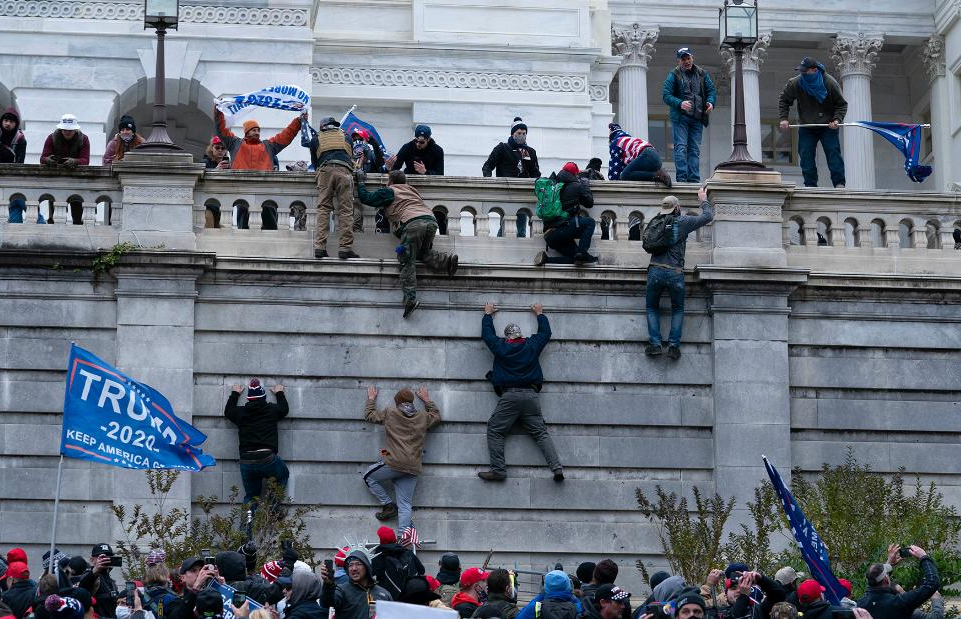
(69, 122)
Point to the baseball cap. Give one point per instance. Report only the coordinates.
(809, 591)
(101, 549)
(17, 569)
(611, 592)
(787, 575)
(684, 51)
(807, 63)
(190, 564)
(472, 575)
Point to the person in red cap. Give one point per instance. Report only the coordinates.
(570, 231)
(17, 554)
(393, 564)
(473, 586)
(21, 590)
(811, 602)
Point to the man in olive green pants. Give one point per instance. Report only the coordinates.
(415, 225)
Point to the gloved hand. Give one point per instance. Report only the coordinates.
(51, 161)
(69, 163)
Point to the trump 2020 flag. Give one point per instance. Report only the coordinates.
(284, 97)
(351, 122)
(812, 548)
(907, 139)
(109, 417)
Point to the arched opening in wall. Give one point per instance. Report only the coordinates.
(796, 231)
(467, 221)
(525, 223)
(75, 209)
(104, 203)
(241, 214)
(190, 109)
(852, 237)
(46, 208)
(932, 230)
(906, 233)
(495, 219)
(877, 233)
(211, 213)
(440, 214)
(608, 226)
(268, 215)
(824, 231)
(298, 217)
(635, 226)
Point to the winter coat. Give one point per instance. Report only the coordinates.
(257, 421)
(516, 364)
(351, 600)
(56, 146)
(506, 162)
(13, 144)
(432, 156)
(20, 597)
(308, 609)
(406, 557)
(117, 148)
(774, 593)
(672, 93)
(405, 436)
(464, 604)
(497, 607)
(530, 611)
(809, 109)
(246, 154)
(683, 226)
(233, 567)
(886, 603)
(575, 193)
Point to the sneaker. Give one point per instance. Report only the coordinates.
(320, 253)
(559, 475)
(389, 511)
(346, 255)
(653, 351)
(839, 186)
(540, 259)
(662, 177)
(492, 476)
(673, 352)
(452, 264)
(409, 308)
(584, 258)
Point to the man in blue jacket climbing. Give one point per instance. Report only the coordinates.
(517, 379)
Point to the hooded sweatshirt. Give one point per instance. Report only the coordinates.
(304, 592)
(557, 590)
(405, 436)
(13, 145)
(669, 588)
(233, 567)
(352, 600)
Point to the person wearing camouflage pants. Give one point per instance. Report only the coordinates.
(415, 225)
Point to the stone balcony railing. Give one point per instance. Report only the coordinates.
(759, 221)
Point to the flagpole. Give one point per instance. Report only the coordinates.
(56, 509)
(349, 112)
(841, 125)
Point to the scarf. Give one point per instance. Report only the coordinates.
(813, 84)
(407, 408)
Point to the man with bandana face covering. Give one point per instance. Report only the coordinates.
(514, 158)
(405, 429)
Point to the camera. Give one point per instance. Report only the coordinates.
(905, 551)
(116, 561)
(329, 564)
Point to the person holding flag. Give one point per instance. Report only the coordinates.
(422, 155)
(250, 152)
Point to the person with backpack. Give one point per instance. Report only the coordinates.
(556, 602)
(448, 576)
(393, 564)
(513, 158)
(665, 239)
(566, 230)
(501, 598)
(634, 159)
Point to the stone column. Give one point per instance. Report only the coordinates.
(751, 69)
(932, 54)
(856, 56)
(636, 47)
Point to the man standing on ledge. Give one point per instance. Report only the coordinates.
(517, 379)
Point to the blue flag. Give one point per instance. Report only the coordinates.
(109, 417)
(351, 122)
(812, 548)
(907, 139)
(227, 593)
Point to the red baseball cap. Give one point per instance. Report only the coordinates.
(809, 591)
(432, 582)
(571, 167)
(472, 576)
(17, 569)
(17, 554)
(846, 584)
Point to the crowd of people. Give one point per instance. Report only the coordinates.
(356, 577)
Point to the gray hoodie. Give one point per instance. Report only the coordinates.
(669, 589)
(350, 600)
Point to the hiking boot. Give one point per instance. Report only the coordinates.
(673, 352)
(452, 264)
(559, 475)
(389, 511)
(320, 253)
(663, 178)
(346, 255)
(584, 258)
(409, 307)
(492, 476)
(540, 259)
(653, 351)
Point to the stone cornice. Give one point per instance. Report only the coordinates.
(634, 45)
(133, 11)
(474, 80)
(856, 53)
(946, 15)
(932, 55)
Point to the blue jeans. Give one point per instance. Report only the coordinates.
(659, 280)
(254, 475)
(807, 142)
(687, 149)
(643, 167)
(562, 239)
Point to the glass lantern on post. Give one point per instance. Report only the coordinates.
(160, 15)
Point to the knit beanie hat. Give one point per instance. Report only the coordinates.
(689, 595)
(611, 128)
(518, 124)
(155, 557)
(571, 167)
(557, 582)
(595, 164)
(127, 122)
(657, 578)
(63, 608)
(404, 395)
(255, 390)
(340, 556)
(421, 131)
(513, 332)
(386, 535)
(585, 571)
(271, 570)
(250, 124)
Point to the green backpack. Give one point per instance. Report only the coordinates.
(548, 193)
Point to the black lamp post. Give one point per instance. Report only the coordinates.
(738, 26)
(161, 15)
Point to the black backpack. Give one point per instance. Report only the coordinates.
(395, 573)
(555, 609)
(660, 234)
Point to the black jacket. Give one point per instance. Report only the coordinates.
(20, 597)
(257, 422)
(821, 609)
(773, 593)
(575, 193)
(308, 609)
(886, 603)
(497, 607)
(505, 162)
(809, 109)
(380, 563)
(106, 605)
(13, 144)
(432, 157)
(233, 567)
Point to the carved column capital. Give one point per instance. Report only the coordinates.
(753, 56)
(635, 45)
(856, 54)
(932, 55)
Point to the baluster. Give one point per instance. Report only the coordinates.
(370, 221)
(61, 213)
(947, 238)
(891, 235)
(510, 226)
(453, 225)
(811, 234)
(33, 207)
(482, 225)
(538, 227)
(226, 216)
(920, 235)
(256, 221)
(116, 214)
(865, 238)
(89, 217)
(283, 217)
(838, 235)
(786, 234)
